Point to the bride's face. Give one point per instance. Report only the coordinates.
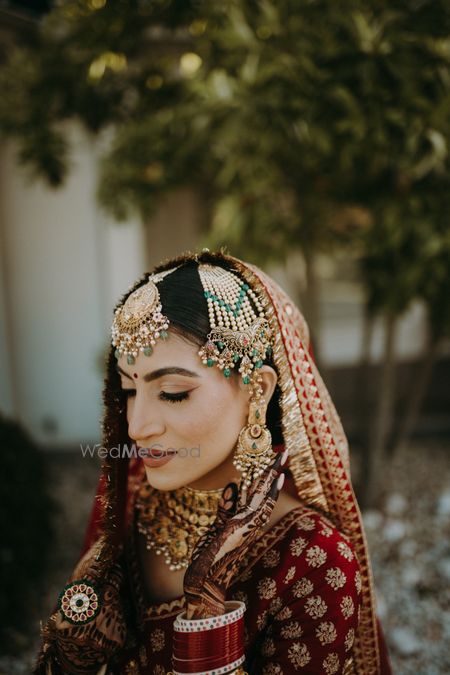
(177, 404)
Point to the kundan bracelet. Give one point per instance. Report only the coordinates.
(210, 646)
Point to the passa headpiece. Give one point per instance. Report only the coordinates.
(239, 330)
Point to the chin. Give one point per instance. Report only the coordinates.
(164, 481)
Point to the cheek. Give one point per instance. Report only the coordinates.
(216, 413)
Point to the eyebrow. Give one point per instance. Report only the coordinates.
(156, 374)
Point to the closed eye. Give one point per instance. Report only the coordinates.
(174, 398)
(164, 395)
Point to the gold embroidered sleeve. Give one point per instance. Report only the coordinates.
(75, 646)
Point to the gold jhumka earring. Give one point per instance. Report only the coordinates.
(254, 451)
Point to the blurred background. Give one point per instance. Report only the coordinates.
(310, 137)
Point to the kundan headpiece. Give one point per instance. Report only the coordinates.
(239, 329)
(139, 322)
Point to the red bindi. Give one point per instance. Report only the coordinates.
(135, 375)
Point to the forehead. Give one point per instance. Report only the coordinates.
(166, 353)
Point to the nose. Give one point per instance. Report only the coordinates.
(143, 423)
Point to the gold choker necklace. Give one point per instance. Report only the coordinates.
(173, 521)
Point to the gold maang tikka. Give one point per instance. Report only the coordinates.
(173, 521)
(139, 322)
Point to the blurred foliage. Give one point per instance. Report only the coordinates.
(305, 124)
(26, 526)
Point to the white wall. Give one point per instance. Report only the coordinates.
(64, 267)
(342, 311)
(6, 388)
(341, 314)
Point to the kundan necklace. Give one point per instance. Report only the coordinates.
(173, 521)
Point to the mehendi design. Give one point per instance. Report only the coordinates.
(220, 551)
(82, 648)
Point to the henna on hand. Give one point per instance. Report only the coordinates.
(219, 552)
(82, 648)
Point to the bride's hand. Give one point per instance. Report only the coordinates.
(220, 550)
(87, 645)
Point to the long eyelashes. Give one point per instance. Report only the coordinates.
(164, 396)
(174, 398)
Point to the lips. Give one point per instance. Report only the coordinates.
(160, 453)
(153, 460)
(156, 453)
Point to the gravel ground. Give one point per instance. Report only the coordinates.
(408, 537)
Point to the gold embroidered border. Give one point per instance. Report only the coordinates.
(279, 314)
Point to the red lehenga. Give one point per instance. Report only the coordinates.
(307, 582)
(301, 584)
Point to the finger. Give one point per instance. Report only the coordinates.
(228, 503)
(269, 494)
(263, 482)
(276, 486)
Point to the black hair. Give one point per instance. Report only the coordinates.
(184, 303)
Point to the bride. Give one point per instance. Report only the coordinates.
(226, 537)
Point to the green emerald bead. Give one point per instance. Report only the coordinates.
(255, 352)
(220, 345)
(164, 334)
(210, 362)
(258, 364)
(245, 287)
(246, 379)
(148, 351)
(257, 415)
(117, 354)
(227, 372)
(269, 350)
(235, 357)
(130, 359)
(254, 446)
